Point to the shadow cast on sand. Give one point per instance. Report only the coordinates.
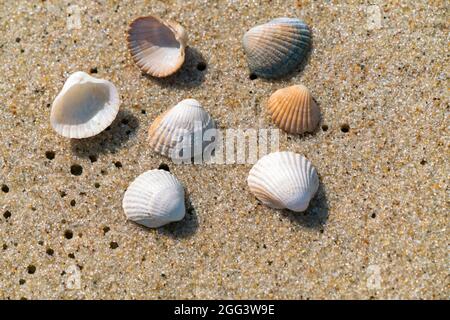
(191, 74)
(110, 140)
(316, 216)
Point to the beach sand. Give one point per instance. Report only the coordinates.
(377, 228)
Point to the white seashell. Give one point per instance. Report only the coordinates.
(85, 106)
(157, 46)
(154, 198)
(181, 128)
(284, 180)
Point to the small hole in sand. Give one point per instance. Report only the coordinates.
(76, 169)
(118, 164)
(113, 245)
(93, 158)
(201, 66)
(97, 185)
(423, 162)
(253, 76)
(345, 128)
(50, 251)
(31, 269)
(93, 70)
(22, 281)
(106, 229)
(324, 127)
(7, 214)
(50, 155)
(164, 166)
(73, 202)
(71, 256)
(373, 215)
(68, 234)
(5, 188)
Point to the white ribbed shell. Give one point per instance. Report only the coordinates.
(154, 199)
(85, 106)
(284, 180)
(181, 127)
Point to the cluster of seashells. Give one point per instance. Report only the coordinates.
(86, 106)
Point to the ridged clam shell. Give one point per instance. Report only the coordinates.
(284, 180)
(157, 46)
(180, 127)
(293, 109)
(84, 107)
(275, 48)
(154, 198)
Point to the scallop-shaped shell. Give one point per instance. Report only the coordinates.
(293, 109)
(275, 48)
(178, 132)
(85, 106)
(154, 198)
(284, 180)
(157, 46)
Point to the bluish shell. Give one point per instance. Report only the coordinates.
(275, 48)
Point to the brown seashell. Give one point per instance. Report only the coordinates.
(157, 46)
(294, 110)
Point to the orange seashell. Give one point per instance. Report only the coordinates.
(294, 110)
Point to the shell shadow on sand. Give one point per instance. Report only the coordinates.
(110, 140)
(191, 74)
(316, 216)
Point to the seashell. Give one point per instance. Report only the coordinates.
(157, 47)
(275, 48)
(85, 106)
(181, 128)
(293, 109)
(284, 180)
(154, 198)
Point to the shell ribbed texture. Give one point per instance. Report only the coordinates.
(275, 48)
(154, 198)
(284, 180)
(179, 126)
(293, 109)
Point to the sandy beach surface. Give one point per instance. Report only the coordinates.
(377, 228)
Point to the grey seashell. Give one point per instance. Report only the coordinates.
(275, 48)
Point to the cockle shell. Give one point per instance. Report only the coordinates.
(181, 128)
(284, 180)
(293, 109)
(275, 48)
(85, 106)
(157, 46)
(154, 198)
